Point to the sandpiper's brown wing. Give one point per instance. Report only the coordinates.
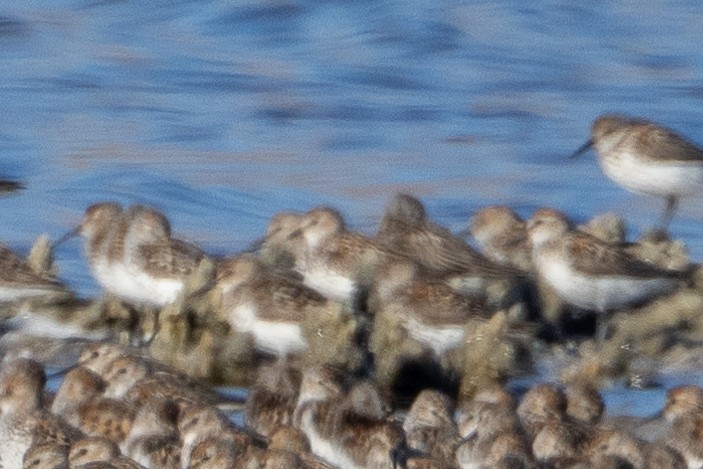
(16, 272)
(172, 258)
(435, 303)
(595, 257)
(51, 429)
(284, 300)
(665, 145)
(437, 249)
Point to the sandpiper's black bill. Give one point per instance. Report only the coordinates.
(71, 234)
(582, 149)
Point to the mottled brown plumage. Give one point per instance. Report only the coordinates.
(406, 230)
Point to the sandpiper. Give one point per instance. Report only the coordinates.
(277, 248)
(406, 229)
(97, 356)
(584, 404)
(431, 312)
(153, 440)
(490, 430)
(272, 399)
(337, 433)
(79, 385)
(46, 456)
(420, 320)
(18, 281)
(92, 449)
(216, 453)
(105, 417)
(589, 273)
(684, 410)
(196, 423)
(134, 257)
(269, 307)
(429, 427)
(97, 452)
(138, 379)
(123, 373)
(336, 261)
(648, 158)
(502, 236)
(23, 420)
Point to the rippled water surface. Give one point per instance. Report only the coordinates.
(222, 113)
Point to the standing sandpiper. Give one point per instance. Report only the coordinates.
(647, 158)
(133, 256)
(590, 273)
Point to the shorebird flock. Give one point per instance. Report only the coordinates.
(383, 351)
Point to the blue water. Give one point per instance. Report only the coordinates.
(223, 113)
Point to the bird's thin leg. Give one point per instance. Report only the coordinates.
(672, 203)
(601, 326)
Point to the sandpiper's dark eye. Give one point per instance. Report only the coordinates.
(82, 452)
(94, 354)
(122, 371)
(36, 462)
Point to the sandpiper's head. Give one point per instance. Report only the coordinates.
(197, 421)
(616, 443)
(318, 225)
(92, 449)
(279, 247)
(21, 383)
(46, 455)
(584, 404)
(79, 385)
(123, 373)
(683, 400)
(319, 383)
(215, 452)
(430, 409)
(147, 223)
(235, 271)
(493, 221)
(405, 209)
(488, 413)
(608, 124)
(545, 225)
(364, 399)
(542, 403)
(278, 378)
(99, 219)
(98, 356)
(282, 224)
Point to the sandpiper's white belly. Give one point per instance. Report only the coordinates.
(116, 279)
(323, 446)
(638, 174)
(600, 292)
(130, 283)
(278, 338)
(158, 291)
(330, 283)
(439, 338)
